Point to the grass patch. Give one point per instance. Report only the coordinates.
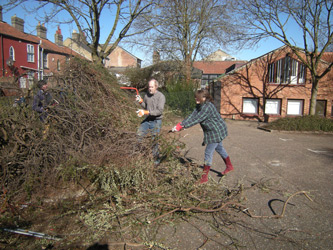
(305, 123)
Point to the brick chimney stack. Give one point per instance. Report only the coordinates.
(41, 30)
(156, 57)
(58, 38)
(17, 23)
(76, 36)
(0, 13)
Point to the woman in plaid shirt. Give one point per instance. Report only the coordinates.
(214, 128)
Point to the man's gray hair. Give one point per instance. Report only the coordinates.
(154, 81)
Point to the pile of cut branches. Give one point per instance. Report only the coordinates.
(83, 174)
(93, 123)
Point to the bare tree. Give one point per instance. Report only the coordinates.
(281, 19)
(87, 16)
(185, 29)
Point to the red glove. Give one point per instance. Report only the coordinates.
(177, 128)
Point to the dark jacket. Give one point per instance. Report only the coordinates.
(41, 100)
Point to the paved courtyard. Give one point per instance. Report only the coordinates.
(278, 164)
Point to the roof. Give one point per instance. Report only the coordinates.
(174, 66)
(215, 67)
(79, 44)
(327, 56)
(252, 61)
(10, 31)
(50, 46)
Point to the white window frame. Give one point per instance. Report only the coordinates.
(273, 106)
(30, 53)
(58, 65)
(30, 78)
(295, 107)
(301, 75)
(294, 72)
(23, 82)
(250, 106)
(286, 71)
(12, 53)
(45, 61)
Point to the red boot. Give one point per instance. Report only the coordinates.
(228, 164)
(204, 177)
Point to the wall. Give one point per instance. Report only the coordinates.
(250, 81)
(121, 58)
(20, 48)
(52, 63)
(70, 43)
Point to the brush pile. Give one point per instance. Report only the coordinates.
(82, 174)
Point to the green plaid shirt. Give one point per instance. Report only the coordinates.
(213, 126)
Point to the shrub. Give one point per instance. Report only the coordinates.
(180, 97)
(305, 123)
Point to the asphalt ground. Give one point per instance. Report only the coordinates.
(279, 166)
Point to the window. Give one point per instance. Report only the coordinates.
(30, 79)
(31, 53)
(23, 82)
(207, 78)
(272, 106)
(295, 107)
(250, 106)
(44, 60)
(12, 53)
(58, 65)
(286, 71)
(321, 107)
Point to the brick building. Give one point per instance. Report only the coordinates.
(121, 58)
(274, 85)
(26, 57)
(116, 62)
(216, 64)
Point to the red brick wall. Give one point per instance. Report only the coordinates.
(120, 58)
(21, 57)
(52, 61)
(250, 81)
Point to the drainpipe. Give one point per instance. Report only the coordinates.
(2, 57)
(38, 60)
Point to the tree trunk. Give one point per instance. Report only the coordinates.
(96, 58)
(314, 92)
(188, 69)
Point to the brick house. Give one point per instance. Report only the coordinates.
(216, 64)
(272, 86)
(25, 57)
(116, 62)
(121, 58)
(19, 57)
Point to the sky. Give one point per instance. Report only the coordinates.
(30, 24)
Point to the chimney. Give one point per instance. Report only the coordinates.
(41, 30)
(0, 13)
(17, 23)
(76, 36)
(156, 57)
(58, 39)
